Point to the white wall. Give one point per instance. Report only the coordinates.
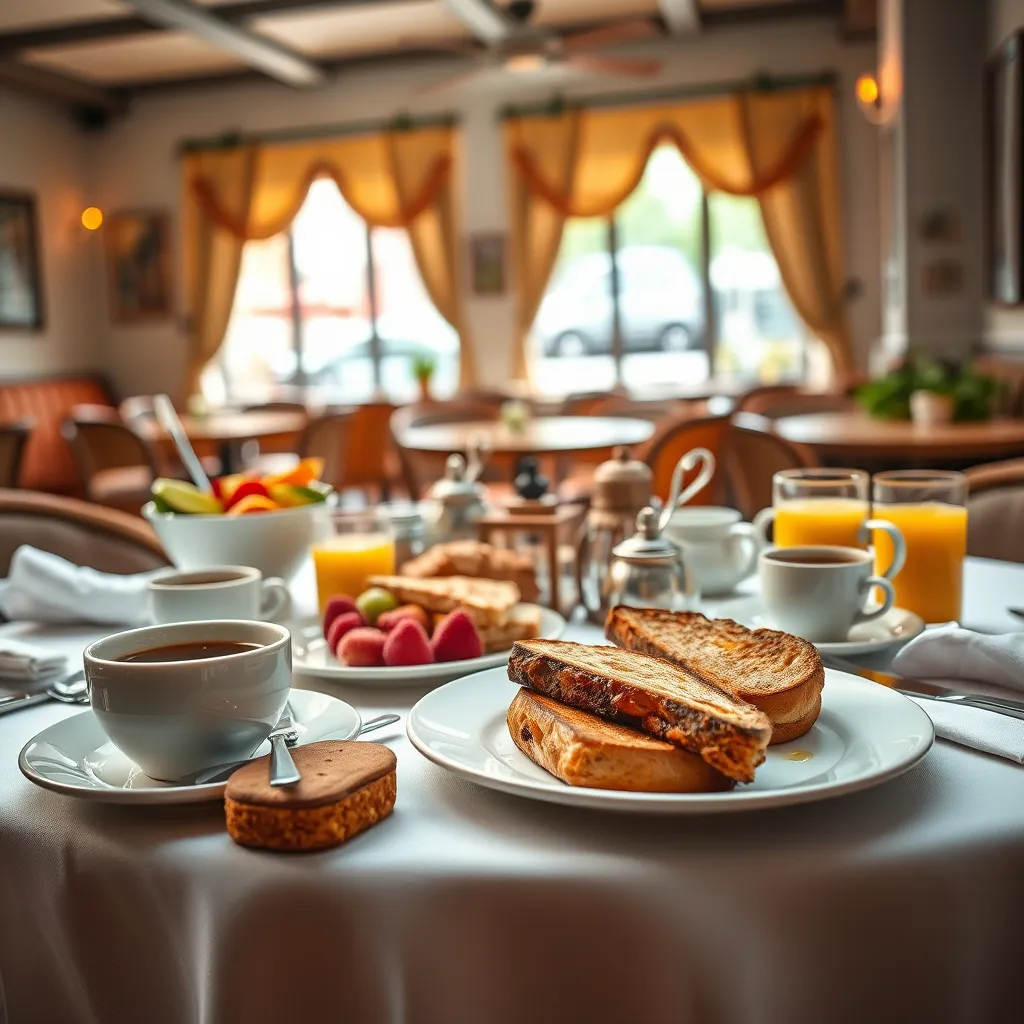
(42, 152)
(1004, 327)
(134, 162)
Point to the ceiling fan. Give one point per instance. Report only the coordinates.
(517, 46)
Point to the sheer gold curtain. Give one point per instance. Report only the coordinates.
(779, 147)
(391, 179)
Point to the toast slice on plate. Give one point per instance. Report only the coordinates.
(648, 694)
(487, 601)
(523, 623)
(780, 674)
(584, 750)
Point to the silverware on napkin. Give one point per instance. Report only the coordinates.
(930, 691)
(72, 689)
(284, 735)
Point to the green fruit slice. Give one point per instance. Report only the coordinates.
(180, 496)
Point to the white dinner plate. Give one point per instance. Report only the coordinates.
(75, 757)
(896, 626)
(312, 657)
(864, 735)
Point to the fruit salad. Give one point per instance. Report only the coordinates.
(241, 494)
(373, 630)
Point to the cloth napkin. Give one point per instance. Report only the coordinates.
(26, 663)
(44, 587)
(975, 663)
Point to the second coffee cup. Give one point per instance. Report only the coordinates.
(219, 592)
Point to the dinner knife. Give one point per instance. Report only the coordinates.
(930, 691)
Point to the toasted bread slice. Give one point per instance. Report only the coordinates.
(523, 623)
(584, 750)
(487, 601)
(649, 694)
(778, 673)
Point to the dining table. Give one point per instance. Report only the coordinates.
(228, 431)
(854, 438)
(897, 903)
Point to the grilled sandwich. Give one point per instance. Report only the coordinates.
(648, 694)
(780, 674)
(584, 750)
(488, 602)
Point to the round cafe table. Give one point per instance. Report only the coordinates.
(900, 903)
(854, 436)
(229, 431)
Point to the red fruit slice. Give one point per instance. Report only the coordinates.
(456, 638)
(341, 625)
(362, 648)
(244, 490)
(407, 644)
(338, 605)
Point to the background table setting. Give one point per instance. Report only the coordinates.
(472, 904)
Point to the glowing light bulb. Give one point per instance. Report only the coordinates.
(867, 90)
(92, 218)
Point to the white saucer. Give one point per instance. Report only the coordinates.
(75, 757)
(896, 626)
(312, 657)
(865, 734)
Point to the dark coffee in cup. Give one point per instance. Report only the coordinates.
(813, 558)
(190, 652)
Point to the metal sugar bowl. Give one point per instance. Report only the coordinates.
(648, 571)
(454, 503)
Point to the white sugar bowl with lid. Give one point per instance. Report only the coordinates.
(720, 549)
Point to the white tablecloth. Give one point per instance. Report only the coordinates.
(902, 903)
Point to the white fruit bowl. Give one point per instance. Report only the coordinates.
(276, 543)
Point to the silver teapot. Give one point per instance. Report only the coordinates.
(455, 502)
(648, 571)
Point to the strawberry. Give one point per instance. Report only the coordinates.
(388, 620)
(338, 605)
(456, 638)
(362, 647)
(341, 625)
(407, 644)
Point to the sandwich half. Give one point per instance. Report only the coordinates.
(584, 750)
(780, 674)
(648, 694)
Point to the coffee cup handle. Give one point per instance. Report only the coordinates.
(275, 598)
(763, 520)
(899, 548)
(889, 598)
(751, 536)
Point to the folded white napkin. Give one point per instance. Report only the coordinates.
(44, 587)
(25, 663)
(988, 664)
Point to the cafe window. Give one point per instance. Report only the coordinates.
(334, 306)
(676, 285)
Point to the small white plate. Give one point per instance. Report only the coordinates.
(75, 757)
(864, 735)
(312, 657)
(896, 626)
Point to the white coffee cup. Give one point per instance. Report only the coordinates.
(818, 593)
(718, 548)
(219, 592)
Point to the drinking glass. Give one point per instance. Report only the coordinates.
(361, 544)
(814, 507)
(929, 507)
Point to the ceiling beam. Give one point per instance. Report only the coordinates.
(69, 33)
(69, 91)
(681, 17)
(259, 52)
(483, 19)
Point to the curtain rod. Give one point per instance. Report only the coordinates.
(404, 122)
(758, 83)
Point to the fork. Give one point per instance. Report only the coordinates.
(282, 768)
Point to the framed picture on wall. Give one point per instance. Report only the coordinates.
(21, 289)
(138, 248)
(1004, 110)
(487, 263)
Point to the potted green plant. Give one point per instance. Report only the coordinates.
(930, 391)
(423, 367)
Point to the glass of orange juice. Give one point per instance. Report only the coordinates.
(929, 507)
(813, 507)
(362, 544)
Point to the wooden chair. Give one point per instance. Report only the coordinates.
(115, 465)
(752, 455)
(13, 438)
(370, 461)
(673, 440)
(86, 534)
(995, 510)
(326, 437)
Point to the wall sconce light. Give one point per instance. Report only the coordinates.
(871, 100)
(92, 218)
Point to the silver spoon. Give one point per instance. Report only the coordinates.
(168, 419)
(72, 689)
(221, 772)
